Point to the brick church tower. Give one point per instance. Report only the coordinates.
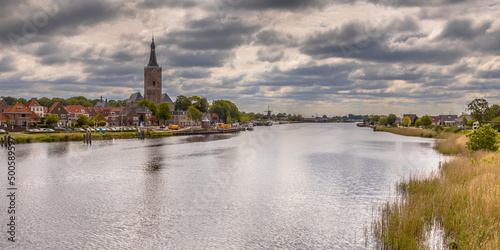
(152, 78)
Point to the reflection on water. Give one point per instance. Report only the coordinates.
(304, 186)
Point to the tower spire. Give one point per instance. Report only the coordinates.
(152, 56)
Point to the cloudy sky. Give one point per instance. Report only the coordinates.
(298, 56)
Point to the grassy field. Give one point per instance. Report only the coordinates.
(78, 136)
(462, 198)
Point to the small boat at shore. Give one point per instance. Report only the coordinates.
(268, 123)
(283, 122)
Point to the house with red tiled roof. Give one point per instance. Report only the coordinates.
(3, 106)
(58, 109)
(3, 119)
(34, 106)
(74, 111)
(435, 119)
(18, 115)
(34, 117)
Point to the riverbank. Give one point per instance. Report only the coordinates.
(78, 136)
(461, 199)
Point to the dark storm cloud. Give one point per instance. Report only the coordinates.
(198, 59)
(464, 29)
(192, 73)
(58, 18)
(389, 76)
(113, 70)
(211, 34)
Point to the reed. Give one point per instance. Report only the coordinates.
(408, 131)
(462, 198)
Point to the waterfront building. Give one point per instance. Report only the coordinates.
(18, 115)
(58, 109)
(34, 106)
(3, 106)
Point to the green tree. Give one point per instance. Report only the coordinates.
(224, 108)
(484, 137)
(51, 119)
(46, 102)
(102, 123)
(496, 123)
(81, 120)
(493, 112)
(164, 112)
(479, 109)
(300, 118)
(61, 100)
(182, 103)
(391, 119)
(91, 123)
(143, 102)
(418, 123)
(406, 121)
(383, 121)
(9, 100)
(426, 121)
(22, 100)
(194, 114)
(152, 106)
(375, 119)
(464, 121)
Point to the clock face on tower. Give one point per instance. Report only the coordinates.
(154, 70)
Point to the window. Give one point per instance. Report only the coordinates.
(12, 122)
(63, 116)
(154, 83)
(19, 108)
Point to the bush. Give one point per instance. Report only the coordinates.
(102, 123)
(42, 125)
(453, 129)
(484, 137)
(438, 129)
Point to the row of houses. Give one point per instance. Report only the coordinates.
(21, 115)
(444, 120)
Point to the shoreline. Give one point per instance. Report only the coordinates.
(460, 200)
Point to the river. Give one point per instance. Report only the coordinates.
(293, 186)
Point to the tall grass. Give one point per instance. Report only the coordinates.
(462, 197)
(408, 131)
(59, 137)
(454, 144)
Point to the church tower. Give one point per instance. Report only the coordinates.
(152, 78)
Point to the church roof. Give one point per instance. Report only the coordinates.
(102, 104)
(165, 98)
(135, 97)
(152, 56)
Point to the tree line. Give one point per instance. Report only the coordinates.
(75, 100)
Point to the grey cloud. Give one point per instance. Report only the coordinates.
(61, 19)
(489, 74)
(122, 56)
(192, 73)
(273, 37)
(279, 4)
(6, 65)
(422, 3)
(154, 4)
(211, 34)
(198, 59)
(463, 29)
(270, 54)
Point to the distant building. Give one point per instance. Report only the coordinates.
(435, 119)
(152, 84)
(58, 109)
(74, 111)
(413, 117)
(102, 104)
(34, 106)
(448, 120)
(18, 115)
(3, 106)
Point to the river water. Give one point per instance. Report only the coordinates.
(294, 186)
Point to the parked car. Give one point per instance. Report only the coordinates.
(68, 129)
(162, 126)
(58, 128)
(36, 130)
(50, 130)
(2, 131)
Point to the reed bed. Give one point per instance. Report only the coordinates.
(462, 198)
